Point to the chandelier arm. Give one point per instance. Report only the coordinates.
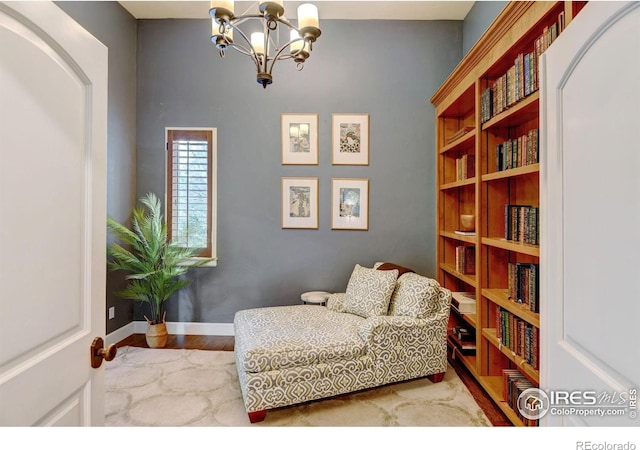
(248, 51)
(278, 57)
(241, 49)
(243, 18)
(286, 22)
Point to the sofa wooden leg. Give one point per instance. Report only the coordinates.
(436, 377)
(257, 416)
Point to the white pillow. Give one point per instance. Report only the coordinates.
(369, 291)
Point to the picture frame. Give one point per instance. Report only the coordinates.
(350, 203)
(350, 139)
(299, 139)
(299, 202)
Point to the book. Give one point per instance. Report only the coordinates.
(465, 233)
(466, 259)
(561, 22)
(464, 302)
(465, 167)
(464, 347)
(461, 132)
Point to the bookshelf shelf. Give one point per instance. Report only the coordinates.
(469, 361)
(459, 237)
(501, 298)
(493, 386)
(524, 170)
(451, 270)
(457, 343)
(521, 363)
(456, 184)
(525, 249)
(465, 139)
(469, 319)
(489, 108)
(522, 111)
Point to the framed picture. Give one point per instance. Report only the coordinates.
(299, 202)
(350, 139)
(350, 203)
(299, 139)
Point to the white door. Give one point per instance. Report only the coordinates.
(590, 166)
(53, 117)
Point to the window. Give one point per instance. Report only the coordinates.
(191, 188)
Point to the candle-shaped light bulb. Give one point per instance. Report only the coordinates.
(257, 42)
(278, 2)
(308, 16)
(296, 45)
(223, 4)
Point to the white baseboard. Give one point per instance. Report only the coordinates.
(194, 328)
(121, 333)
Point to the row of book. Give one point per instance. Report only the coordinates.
(466, 259)
(521, 79)
(519, 336)
(518, 82)
(465, 167)
(518, 152)
(514, 384)
(458, 134)
(521, 224)
(524, 284)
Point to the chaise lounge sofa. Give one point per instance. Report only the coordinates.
(390, 325)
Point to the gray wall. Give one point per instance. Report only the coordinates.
(116, 28)
(386, 69)
(478, 20)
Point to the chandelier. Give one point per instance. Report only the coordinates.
(264, 47)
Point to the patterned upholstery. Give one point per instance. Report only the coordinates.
(414, 296)
(292, 354)
(291, 336)
(335, 302)
(369, 291)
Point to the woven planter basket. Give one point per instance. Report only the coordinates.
(157, 335)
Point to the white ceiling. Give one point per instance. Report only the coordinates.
(340, 9)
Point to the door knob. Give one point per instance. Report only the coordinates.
(98, 353)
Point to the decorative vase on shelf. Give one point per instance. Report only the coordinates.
(467, 222)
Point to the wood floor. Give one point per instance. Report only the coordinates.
(226, 343)
(223, 343)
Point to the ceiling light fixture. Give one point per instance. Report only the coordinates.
(264, 47)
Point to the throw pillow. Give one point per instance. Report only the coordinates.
(415, 296)
(369, 291)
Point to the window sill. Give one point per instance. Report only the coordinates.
(192, 261)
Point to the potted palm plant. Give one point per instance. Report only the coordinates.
(153, 264)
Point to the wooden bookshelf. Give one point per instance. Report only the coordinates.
(502, 138)
(457, 184)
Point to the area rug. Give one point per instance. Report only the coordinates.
(174, 388)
